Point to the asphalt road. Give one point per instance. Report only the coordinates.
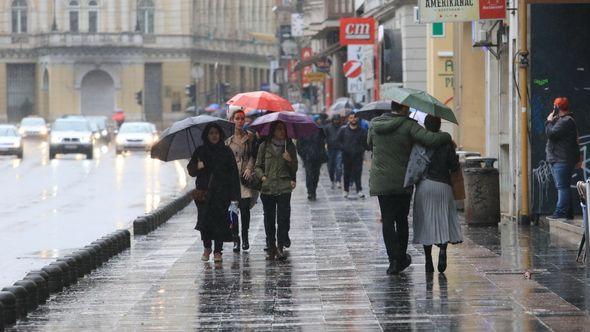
(50, 207)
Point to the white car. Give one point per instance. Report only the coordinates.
(33, 126)
(71, 136)
(136, 136)
(10, 141)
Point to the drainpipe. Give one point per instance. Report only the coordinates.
(524, 129)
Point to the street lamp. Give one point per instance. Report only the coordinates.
(54, 24)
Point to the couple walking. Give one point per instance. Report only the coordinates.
(224, 170)
(392, 137)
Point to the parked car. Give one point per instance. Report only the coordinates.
(104, 129)
(71, 136)
(10, 141)
(136, 136)
(33, 126)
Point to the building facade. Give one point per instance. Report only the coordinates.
(92, 57)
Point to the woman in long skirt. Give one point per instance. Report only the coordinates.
(435, 214)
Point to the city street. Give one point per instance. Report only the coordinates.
(50, 207)
(333, 279)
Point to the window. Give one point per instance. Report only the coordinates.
(145, 16)
(19, 16)
(74, 16)
(93, 17)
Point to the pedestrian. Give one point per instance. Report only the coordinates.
(334, 151)
(118, 117)
(276, 166)
(435, 218)
(312, 150)
(391, 137)
(353, 142)
(241, 144)
(217, 190)
(563, 154)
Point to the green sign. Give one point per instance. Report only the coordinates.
(438, 29)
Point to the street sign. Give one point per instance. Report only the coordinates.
(315, 76)
(353, 68)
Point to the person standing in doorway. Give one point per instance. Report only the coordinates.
(353, 141)
(563, 153)
(334, 151)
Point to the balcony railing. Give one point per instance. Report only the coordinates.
(335, 9)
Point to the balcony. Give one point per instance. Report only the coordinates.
(335, 9)
(323, 15)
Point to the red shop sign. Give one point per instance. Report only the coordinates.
(492, 9)
(357, 31)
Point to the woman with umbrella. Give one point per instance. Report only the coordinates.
(217, 189)
(276, 166)
(242, 145)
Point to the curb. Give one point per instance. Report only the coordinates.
(149, 222)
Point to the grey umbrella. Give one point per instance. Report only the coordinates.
(374, 109)
(183, 137)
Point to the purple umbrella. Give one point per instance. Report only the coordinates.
(298, 125)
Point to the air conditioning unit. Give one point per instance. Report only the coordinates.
(481, 33)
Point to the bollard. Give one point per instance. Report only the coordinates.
(8, 301)
(32, 293)
(87, 260)
(66, 275)
(42, 273)
(106, 246)
(42, 289)
(1, 317)
(118, 240)
(140, 226)
(127, 235)
(100, 256)
(482, 192)
(55, 281)
(79, 262)
(21, 300)
(73, 268)
(94, 253)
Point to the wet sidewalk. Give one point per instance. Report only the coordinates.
(333, 279)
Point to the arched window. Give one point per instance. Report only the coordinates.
(92, 16)
(19, 16)
(74, 8)
(145, 16)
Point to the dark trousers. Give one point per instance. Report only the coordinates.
(394, 216)
(353, 168)
(312, 175)
(277, 218)
(335, 165)
(562, 176)
(244, 206)
(218, 245)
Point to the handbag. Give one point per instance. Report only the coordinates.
(255, 182)
(199, 195)
(458, 184)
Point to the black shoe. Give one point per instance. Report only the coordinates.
(265, 248)
(288, 243)
(393, 268)
(280, 253)
(245, 243)
(442, 261)
(237, 245)
(407, 262)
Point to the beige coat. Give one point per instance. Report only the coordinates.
(242, 149)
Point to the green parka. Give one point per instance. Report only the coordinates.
(391, 137)
(279, 172)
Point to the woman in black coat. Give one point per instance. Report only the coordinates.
(217, 187)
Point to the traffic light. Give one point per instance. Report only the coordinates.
(191, 92)
(139, 97)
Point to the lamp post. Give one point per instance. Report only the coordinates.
(54, 24)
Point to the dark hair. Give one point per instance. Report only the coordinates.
(273, 127)
(396, 107)
(205, 134)
(432, 123)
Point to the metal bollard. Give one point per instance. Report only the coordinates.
(482, 192)
(66, 272)
(8, 301)
(55, 280)
(21, 300)
(42, 289)
(32, 293)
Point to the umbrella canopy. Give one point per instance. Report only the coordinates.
(424, 102)
(261, 100)
(374, 109)
(213, 108)
(298, 125)
(184, 137)
(341, 106)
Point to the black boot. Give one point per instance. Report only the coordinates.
(245, 243)
(428, 267)
(393, 268)
(237, 244)
(442, 258)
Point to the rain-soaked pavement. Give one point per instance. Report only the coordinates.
(49, 207)
(333, 279)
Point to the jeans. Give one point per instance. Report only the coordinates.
(353, 169)
(562, 176)
(335, 164)
(312, 175)
(218, 245)
(394, 218)
(244, 206)
(277, 209)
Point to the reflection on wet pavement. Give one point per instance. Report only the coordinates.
(333, 279)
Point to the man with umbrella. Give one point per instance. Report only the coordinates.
(391, 137)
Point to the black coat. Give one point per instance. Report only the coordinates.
(221, 180)
(313, 148)
(562, 141)
(443, 162)
(353, 142)
(331, 132)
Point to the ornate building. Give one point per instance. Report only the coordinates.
(93, 56)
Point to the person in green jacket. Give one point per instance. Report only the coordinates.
(276, 166)
(391, 137)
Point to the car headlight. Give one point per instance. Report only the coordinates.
(16, 144)
(149, 140)
(21, 131)
(120, 140)
(55, 139)
(85, 139)
(97, 135)
(104, 132)
(43, 131)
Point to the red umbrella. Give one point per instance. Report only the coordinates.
(261, 100)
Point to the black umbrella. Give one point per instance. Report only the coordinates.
(374, 109)
(184, 137)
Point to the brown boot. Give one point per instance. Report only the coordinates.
(206, 254)
(271, 252)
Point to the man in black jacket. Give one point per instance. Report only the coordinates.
(312, 149)
(334, 150)
(563, 153)
(353, 142)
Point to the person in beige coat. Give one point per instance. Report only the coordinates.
(242, 145)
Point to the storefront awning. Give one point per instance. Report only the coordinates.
(310, 61)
